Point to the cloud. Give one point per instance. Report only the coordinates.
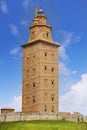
(67, 38)
(16, 103)
(62, 53)
(27, 3)
(15, 32)
(63, 70)
(14, 29)
(24, 23)
(76, 99)
(3, 6)
(74, 72)
(15, 51)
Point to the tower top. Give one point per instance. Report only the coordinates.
(39, 12)
(40, 30)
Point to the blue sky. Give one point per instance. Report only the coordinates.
(68, 19)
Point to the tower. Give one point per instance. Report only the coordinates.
(40, 68)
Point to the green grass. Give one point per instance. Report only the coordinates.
(43, 125)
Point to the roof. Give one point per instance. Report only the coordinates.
(40, 40)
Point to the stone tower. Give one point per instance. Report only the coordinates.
(40, 68)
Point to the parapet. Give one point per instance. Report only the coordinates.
(7, 110)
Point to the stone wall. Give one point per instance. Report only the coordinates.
(76, 117)
(7, 110)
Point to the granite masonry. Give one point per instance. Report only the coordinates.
(66, 116)
(40, 68)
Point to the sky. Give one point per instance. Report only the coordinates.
(68, 19)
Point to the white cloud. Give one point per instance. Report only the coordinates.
(14, 29)
(77, 38)
(67, 38)
(63, 70)
(27, 3)
(62, 53)
(76, 99)
(15, 51)
(74, 72)
(3, 6)
(17, 103)
(24, 23)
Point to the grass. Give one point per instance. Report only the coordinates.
(43, 125)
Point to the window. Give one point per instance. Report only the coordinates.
(52, 69)
(52, 97)
(33, 69)
(45, 68)
(45, 94)
(33, 32)
(26, 98)
(45, 107)
(47, 34)
(27, 73)
(27, 85)
(27, 58)
(45, 54)
(33, 99)
(45, 97)
(52, 108)
(34, 84)
(33, 56)
(45, 80)
(52, 82)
